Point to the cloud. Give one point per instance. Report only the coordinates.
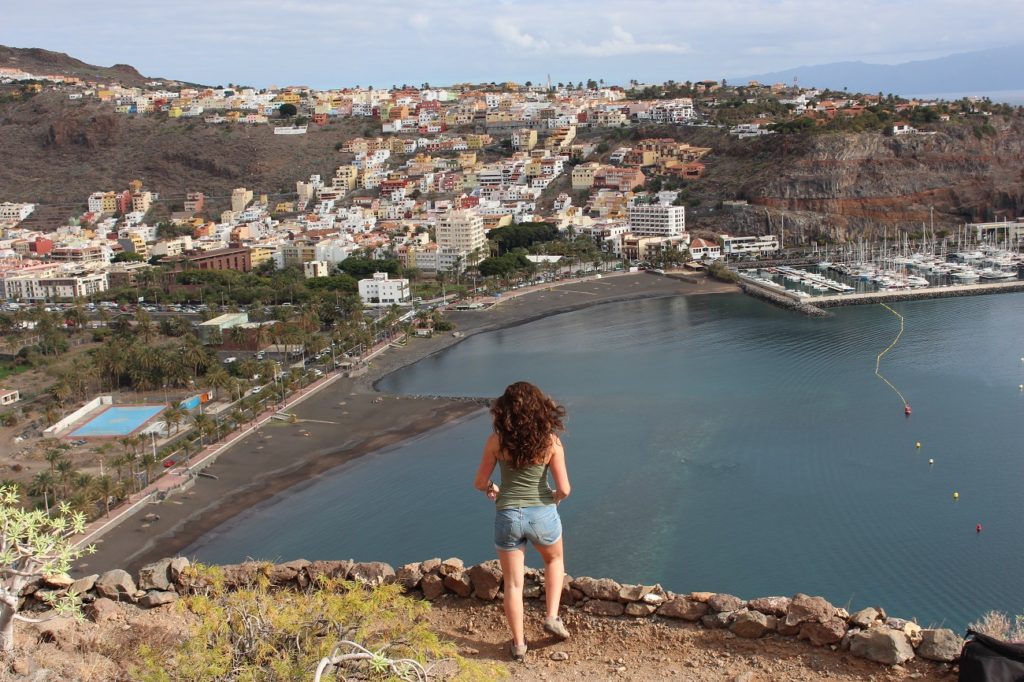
(620, 42)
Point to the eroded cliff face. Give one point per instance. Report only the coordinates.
(842, 187)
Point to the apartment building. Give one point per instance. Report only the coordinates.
(216, 259)
(15, 213)
(194, 202)
(240, 198)
(761, 245)
(315, 268)
(657, 220)
(461, 232)
(297, 254)
(36, 287)
(583, 175)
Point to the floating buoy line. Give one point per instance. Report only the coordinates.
(878, 361)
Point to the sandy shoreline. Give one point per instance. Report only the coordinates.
(346, 420)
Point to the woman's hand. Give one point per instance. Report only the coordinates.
(492, 491)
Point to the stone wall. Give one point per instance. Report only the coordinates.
(870, 633)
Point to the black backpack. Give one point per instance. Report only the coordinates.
(987, 659)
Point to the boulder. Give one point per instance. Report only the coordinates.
(409, 576)
(725, 602)
(882, 645)
(289, 572)
(749, 624)
(602, 607)
(718, 621)
(178, 565)
(686, 609)
(241, 576)
(702, 597)
(940, 645)
(372, 573)
(451, 566)
(820, 634)
(158, 598)
(487, 580)
(639, 609)
(60, 631)
(866, 618)
(629, 593)
(155, 576)
(605, 588)
(913, 632)
(60, 581)
(317, 571)
(770, 606)
(653, 599)
(459, 583)
(101, 610)
(432, 586)
(83, 585)
(116, 585)
(804, 609)
(568, 594)
(430, 565)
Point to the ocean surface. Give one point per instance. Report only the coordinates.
(717, 443)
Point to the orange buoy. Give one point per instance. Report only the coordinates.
(907, 410)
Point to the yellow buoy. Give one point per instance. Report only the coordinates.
(917, 444)
(956, 496)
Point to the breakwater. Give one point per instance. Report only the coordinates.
(953, 291)
(780, 300)
(869, 633)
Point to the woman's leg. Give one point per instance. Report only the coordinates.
(554, 574)
(513, 568)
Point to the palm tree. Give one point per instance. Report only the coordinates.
(218, 378)
(54, 456)
(148, 461)
(174, 416)
(65, 472)
(203, 425)
(44, 483)
(107, 488)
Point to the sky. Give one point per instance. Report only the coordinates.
(326, 44)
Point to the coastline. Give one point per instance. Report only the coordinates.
(348, 420)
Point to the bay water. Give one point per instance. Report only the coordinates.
(719, 444)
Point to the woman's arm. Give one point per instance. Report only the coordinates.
(558, 470)
(488, 461)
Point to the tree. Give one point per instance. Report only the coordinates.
(33, 545)
(287, 110)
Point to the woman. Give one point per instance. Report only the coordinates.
(525, 445)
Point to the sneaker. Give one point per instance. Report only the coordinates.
(556, 627)
(518, 653)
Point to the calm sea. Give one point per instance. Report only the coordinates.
(716, 443)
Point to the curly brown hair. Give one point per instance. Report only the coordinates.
(524, 419)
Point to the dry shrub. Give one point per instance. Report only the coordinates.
(1001, 626)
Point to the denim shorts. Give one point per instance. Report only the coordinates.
(514, 526)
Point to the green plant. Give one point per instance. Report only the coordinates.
(258, 633)
(32, 545)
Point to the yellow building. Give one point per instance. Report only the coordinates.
(478, 141)
(466, 159)
(174, 112)
(345, 178)
(260, 254)
(583, 175)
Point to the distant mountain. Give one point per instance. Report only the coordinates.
(38, 61)
(993, 70)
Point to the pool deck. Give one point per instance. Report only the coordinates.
(107, 422)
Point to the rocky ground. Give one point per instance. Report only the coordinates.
(642, 649)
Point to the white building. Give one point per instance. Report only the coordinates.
(15, 213)
(461, 232)
(761, 245)
(38, 287)
(315, 268)
(657, 220)
(383, 291)
(702, 249)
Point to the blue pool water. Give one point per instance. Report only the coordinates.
(117, 421)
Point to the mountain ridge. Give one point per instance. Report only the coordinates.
(961, 72)
(39, 61)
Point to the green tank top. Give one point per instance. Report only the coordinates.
(526, 487)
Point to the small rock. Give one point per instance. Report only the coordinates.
(639, 609)
(158, 598)
(725, 602)
(487, 580)
(630, 593)
(717, 621)
(59, 580)
(653, 598)
(155, 576)
(882, 645)
(822, 634)
(451, 566)
(432, 586)
(178, 565)
(372, 573)
(940, 645)
(318, 571)
(605, 588)
(803, 609)
(702, 597)
(289, 572)
(430, 565)
(686, 609)
(409, 576)
(459, 583)
(749, 624)
(559, 656)
(116, 584)
(83, 585)
(865, 618)
(101, 610)
(747, 676)
(770, 606)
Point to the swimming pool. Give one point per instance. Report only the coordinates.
(117, 421)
